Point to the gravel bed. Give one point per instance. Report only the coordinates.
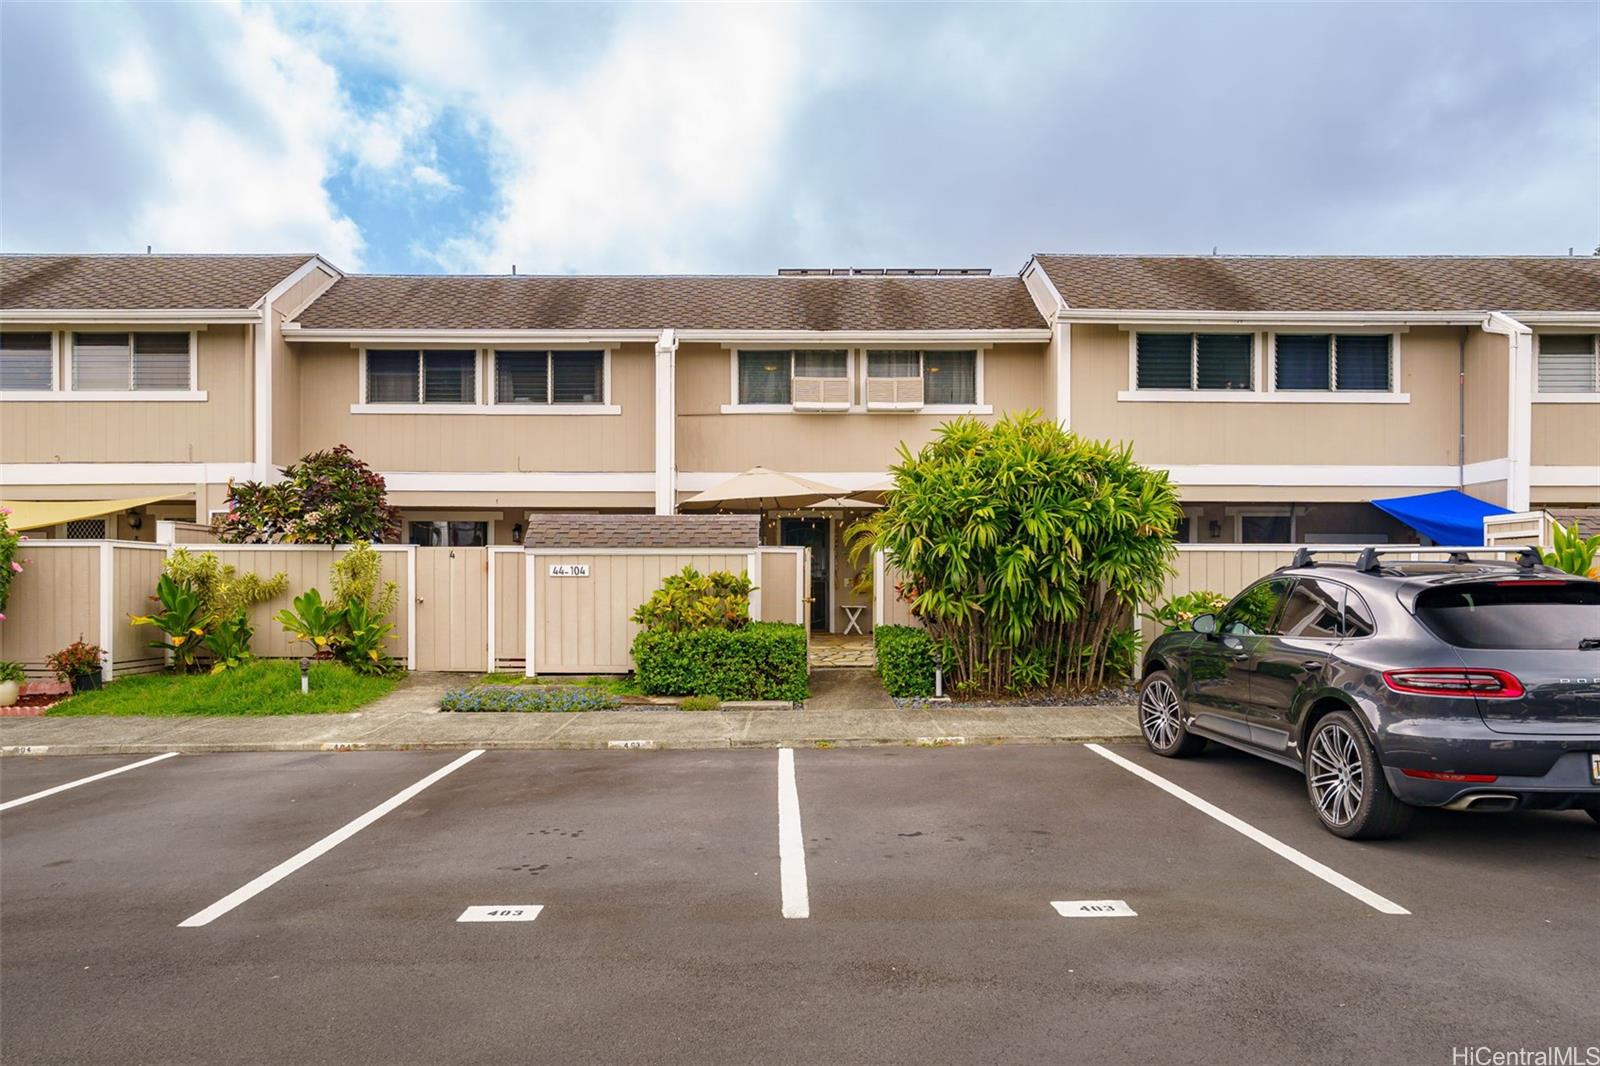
(1107, 697)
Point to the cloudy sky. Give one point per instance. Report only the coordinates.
(655, 138)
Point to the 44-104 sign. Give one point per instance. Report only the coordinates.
(569, 569)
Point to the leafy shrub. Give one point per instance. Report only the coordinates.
(1024, 544)
(700, 703)
(528, 698)
(905, 656)
(1179, 611)
(75, 660)
(358, 578)
(1573, 554)
(690, 600)
(10, 539)
(363, 640)
(224, 593)
(179, 619)
(229, 643)
(312, 622)
(10, 671)
(328, 497)
(762, 661)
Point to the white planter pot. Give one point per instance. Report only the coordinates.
(9, 691)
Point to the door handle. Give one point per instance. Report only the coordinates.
(1239, 656)
(1312, 664)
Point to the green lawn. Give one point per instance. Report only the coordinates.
(260, 688)
(616, 684)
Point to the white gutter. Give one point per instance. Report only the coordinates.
(1137, 317)
(857, 337)
(1519, 404)
(301, 334)
(176, 315)
(666, 479)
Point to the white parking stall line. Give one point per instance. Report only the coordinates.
(321, 847)
(1266, 840)
(791, 843)
(20, 800)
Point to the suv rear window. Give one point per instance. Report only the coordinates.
(1513, 614)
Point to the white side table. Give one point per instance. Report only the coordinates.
(852, 617)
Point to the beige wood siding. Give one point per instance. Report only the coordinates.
(135, 572)
(888, 603)
(1420, 433)
(1484, 398)
(452, 609)
(712, 442)
(582, 623)
(1567, 434)
(286, 367)
(53, 602)
(782, 591)
(217, 430)
(510, 608)
(330, 384)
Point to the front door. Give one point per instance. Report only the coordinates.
(811, 533)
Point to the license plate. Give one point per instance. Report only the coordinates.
(1594, 767)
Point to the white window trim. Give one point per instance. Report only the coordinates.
(1263, 368)
(1564, 397)
(484, 403)
(1239, 514)
(61, 390)
(856, 371)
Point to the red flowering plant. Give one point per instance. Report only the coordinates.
(10, 567)
(328, 497)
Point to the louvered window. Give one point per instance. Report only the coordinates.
(1346, 362)
(521, 377)
(1184, 361)
(577, 377)
(409, 375)
(544, 377)
(1568, 362)
(25, 362)
(764, 377)
(124, 362)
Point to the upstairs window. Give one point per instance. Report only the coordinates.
(424, 376)
(1194, 361)
(1323, 362)
(26, 362)
(764, 377)
(1569, 362)
(127, 362)
(768, 377)
(948, 377)
(560, 377)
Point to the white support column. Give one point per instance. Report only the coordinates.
(108, 636)
(1063, 356)
(411, 607)
(530, 624)
(753, 565)
(667, 423)
(1519, 414)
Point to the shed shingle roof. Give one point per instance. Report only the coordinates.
(681, 302)
(584, 531)
(1326, 283)
(130, 282)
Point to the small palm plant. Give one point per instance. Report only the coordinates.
(1574, 554)
(313, 622)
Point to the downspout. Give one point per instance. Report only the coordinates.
(666, 472)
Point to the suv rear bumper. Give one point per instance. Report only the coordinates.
(1565, 786)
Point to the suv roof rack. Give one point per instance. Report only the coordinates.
(1528, 557)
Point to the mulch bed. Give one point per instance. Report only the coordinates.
(32, 704)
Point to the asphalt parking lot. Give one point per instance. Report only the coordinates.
(241, 908)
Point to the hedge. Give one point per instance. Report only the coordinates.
(528, 698)
(761, 661)
(905, 656)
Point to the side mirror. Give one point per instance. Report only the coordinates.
(1205, 623)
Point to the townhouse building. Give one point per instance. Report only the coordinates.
(1283, 393)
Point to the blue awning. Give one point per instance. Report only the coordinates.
(1450, 517)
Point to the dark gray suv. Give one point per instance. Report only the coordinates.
(1467, 684)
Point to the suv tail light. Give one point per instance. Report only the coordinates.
(1455, 681)
(1450, 775)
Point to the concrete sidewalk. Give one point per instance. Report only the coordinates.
(399, 730)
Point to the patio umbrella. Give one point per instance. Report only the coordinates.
(844, 503)
(769, 490)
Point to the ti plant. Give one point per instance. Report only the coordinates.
(229, 643)
(313, 622)
(1573, 554)
(363, 642)
(180, 619)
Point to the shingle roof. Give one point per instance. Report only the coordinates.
(1326, 283)
(580, 531)
(157, 282)
(680, 302)
(1588, 519)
